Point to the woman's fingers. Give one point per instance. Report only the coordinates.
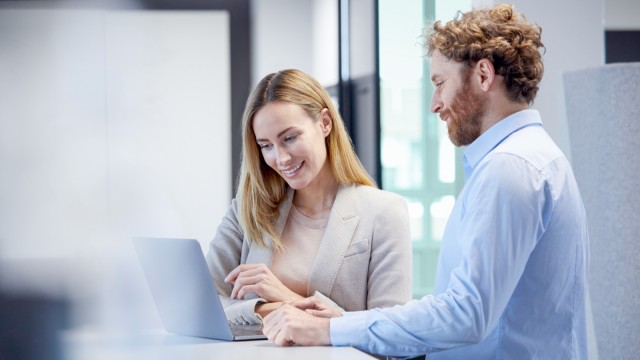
(242, 284)
(258, 279)
(233, 274)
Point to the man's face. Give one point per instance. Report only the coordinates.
(456, 100)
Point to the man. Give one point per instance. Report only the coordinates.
(512, 274)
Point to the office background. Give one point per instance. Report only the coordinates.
(120, 119)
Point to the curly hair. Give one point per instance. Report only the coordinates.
(500, 34)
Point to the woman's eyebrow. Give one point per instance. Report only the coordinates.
(279, 134)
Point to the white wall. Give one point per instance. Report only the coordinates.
(301, 34)
(325, 42)
(53, 174)
(113, 124)
(573, 33)
(622, 14)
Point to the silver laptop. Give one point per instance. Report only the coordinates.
(184, 292)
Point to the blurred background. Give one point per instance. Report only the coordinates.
(122, 119)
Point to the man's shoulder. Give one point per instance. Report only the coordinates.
(531, 145)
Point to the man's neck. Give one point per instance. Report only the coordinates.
(500, 110)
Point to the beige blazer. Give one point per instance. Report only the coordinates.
(363, 262)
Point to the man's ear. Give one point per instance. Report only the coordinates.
(326, 121)
(486, 74)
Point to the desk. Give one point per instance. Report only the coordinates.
(83, 345)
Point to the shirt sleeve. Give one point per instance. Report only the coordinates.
(502, 216)
(346, 330)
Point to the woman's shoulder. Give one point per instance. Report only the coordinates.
(373, 203)
(375, 195)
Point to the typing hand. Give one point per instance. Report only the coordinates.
(315, 307)
(288, 325)
(257, 278)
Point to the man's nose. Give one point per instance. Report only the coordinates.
(436, 104)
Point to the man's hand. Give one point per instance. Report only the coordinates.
(315, 307)
(257, 278)
(289, 325)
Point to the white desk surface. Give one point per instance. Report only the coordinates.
(164, 346)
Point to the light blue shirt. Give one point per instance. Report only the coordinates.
(512, 274)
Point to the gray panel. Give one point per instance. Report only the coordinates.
(365, 123)
(603, 112)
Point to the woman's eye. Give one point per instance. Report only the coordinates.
(290, 138)
(265, 146)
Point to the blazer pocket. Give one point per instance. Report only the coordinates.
(358, 247)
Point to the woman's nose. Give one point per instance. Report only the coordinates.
(282, 156)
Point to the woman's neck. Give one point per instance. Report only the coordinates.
(316, 201)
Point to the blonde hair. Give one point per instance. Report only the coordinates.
(261, 189)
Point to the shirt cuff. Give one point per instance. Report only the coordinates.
(350, 329)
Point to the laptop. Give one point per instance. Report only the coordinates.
(184, 292)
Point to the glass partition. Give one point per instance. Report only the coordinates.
(418, 160)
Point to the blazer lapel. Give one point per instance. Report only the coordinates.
(264, 255)
(342, 224)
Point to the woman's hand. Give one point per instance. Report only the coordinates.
(257, 278)
(315, 307)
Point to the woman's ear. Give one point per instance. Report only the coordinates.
(326, 121)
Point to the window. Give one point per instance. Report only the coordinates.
(418, 160)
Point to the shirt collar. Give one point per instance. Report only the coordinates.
(478, 149)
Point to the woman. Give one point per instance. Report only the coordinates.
(307, 219)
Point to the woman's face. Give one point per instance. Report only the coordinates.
(292, 143)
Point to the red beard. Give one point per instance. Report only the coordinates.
(465, 115)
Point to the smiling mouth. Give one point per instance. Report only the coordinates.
(293, 170)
